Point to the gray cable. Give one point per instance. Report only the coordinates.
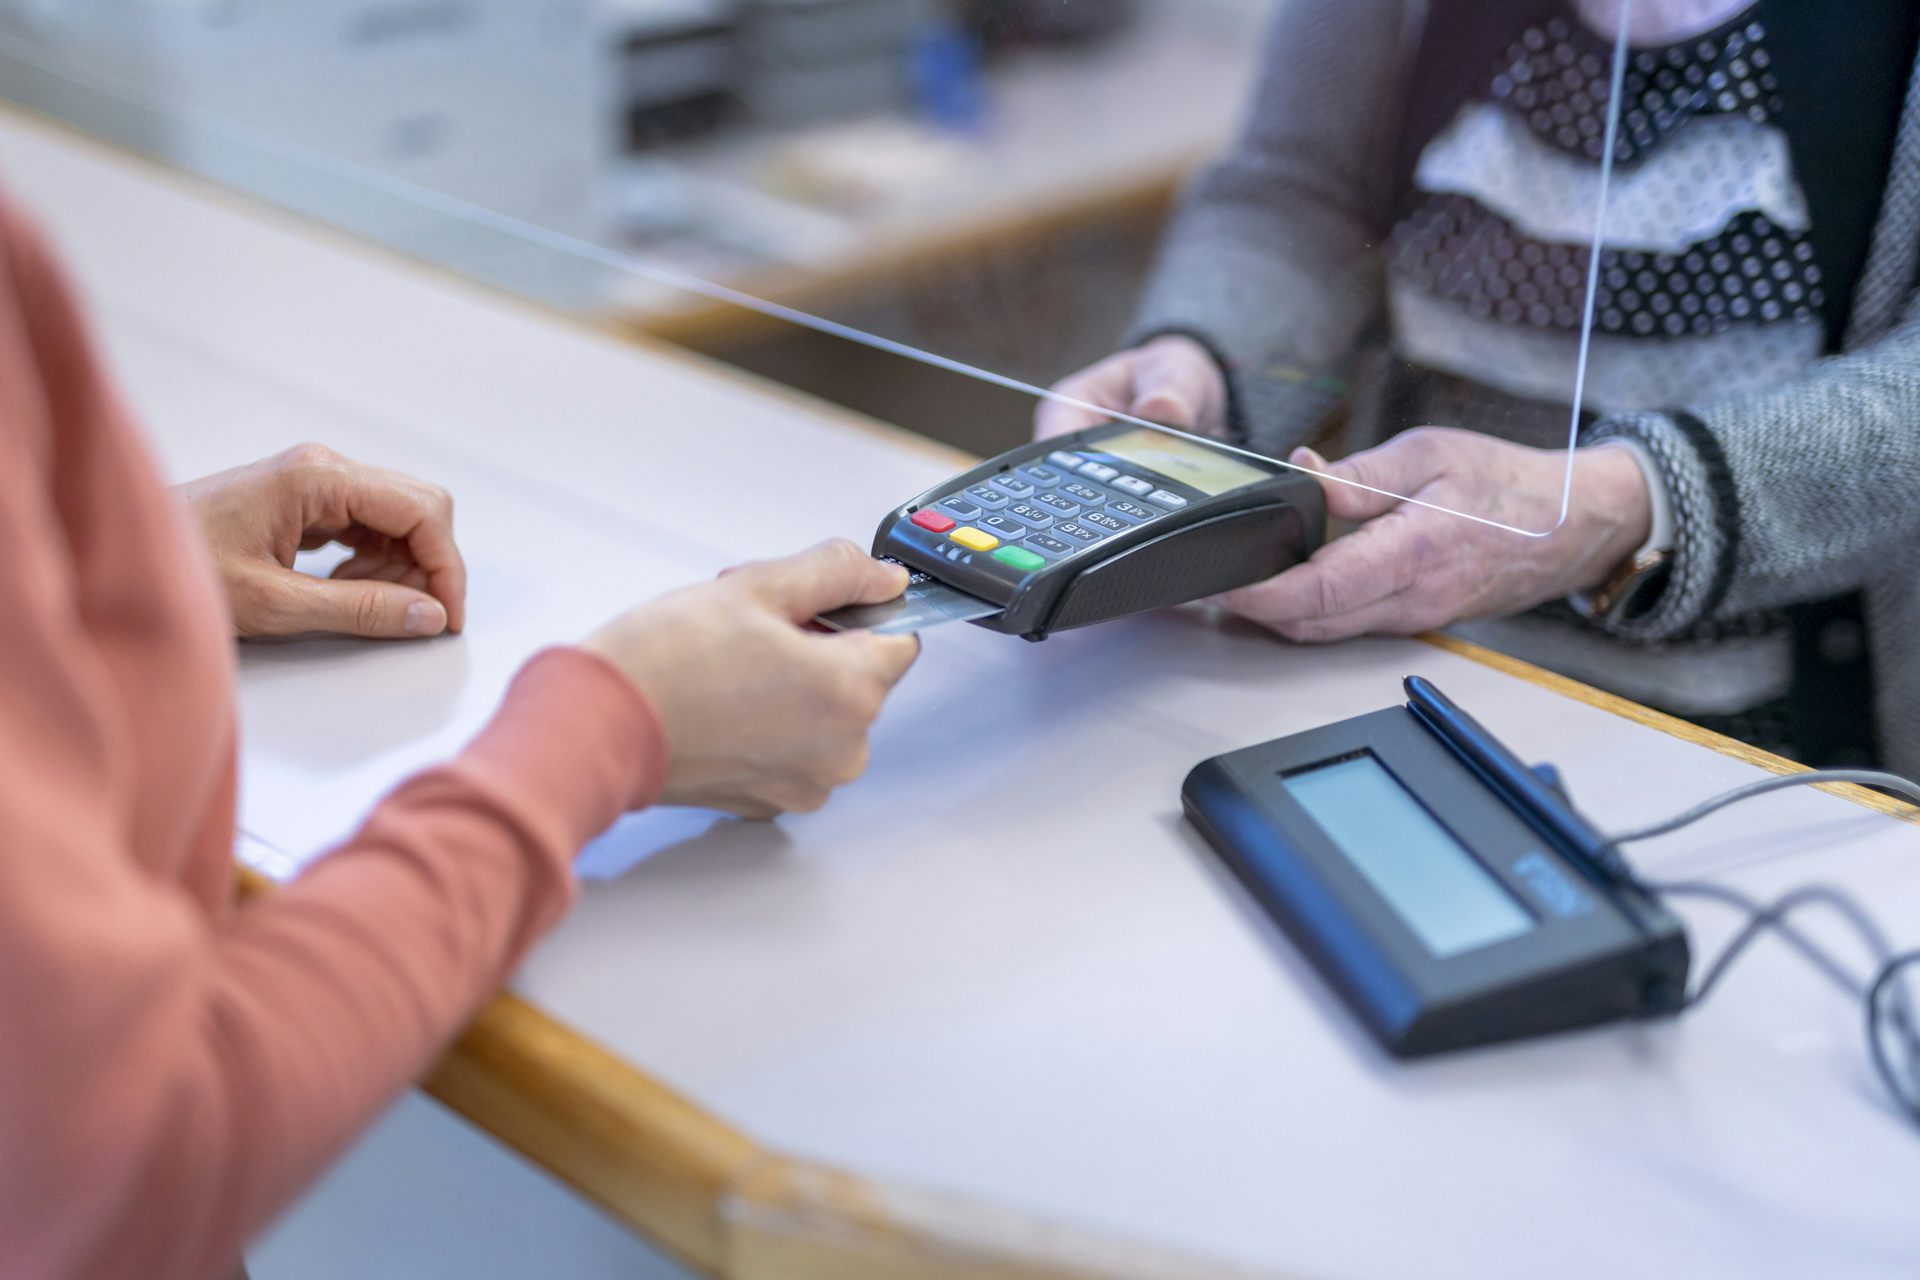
(1889, 1013)
(1862, 777)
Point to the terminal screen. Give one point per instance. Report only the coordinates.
(1211, 471)
(1442, 892)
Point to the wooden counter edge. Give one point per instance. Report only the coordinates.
(705, 323)
(1672, 725)
(709, 1194)
(685, 1180)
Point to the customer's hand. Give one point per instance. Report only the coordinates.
(1170, 380)
(761, 715)
(405, 577)
(1409, 569)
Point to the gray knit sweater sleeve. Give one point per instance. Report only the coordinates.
(1273, 259)
(1802, 491)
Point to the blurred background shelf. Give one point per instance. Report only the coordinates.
(1017, 245)
(980, 178)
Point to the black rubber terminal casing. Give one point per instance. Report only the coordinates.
(1215, 543)
(1599, 949)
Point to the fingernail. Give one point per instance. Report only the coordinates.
(425, 619)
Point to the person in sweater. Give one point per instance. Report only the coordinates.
(1401, 236)
(175, 1067)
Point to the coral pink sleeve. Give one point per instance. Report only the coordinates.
(171, 1077)
(170, 1084)
(326, 999)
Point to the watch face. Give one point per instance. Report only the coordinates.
(1642, 591)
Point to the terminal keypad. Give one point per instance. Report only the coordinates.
(1076, 501)
(1004, 527)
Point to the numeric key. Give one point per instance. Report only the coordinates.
(1028, 514)
(1085, 494)
(1132, 510)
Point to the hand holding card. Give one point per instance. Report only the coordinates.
(925, 603)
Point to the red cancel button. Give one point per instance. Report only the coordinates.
(932, 521)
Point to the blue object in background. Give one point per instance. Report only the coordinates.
(943, 68)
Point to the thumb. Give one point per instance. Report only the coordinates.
(1166, 403)
(1168, 392)
(362, 607)
(828, 576)
(1384, 479)
(1177, 384)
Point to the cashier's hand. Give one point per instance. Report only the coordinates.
(1408, 569)
(404, 579)
(763, 716)
(1170, 380)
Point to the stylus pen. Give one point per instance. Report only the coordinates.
(1543, 805)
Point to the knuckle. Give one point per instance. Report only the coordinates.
(1418, 444)
(845, 551)
(306, 456)
(1424, 553)
(797, 795)
(260, 605)
(368, 612)
(851, 764)
(1326, 594)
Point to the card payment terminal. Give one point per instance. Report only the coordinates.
(1449, 893)
(1112, 520)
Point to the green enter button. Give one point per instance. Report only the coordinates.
(1019, 558)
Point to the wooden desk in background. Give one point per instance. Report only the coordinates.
(1075, 140)
(999, 966)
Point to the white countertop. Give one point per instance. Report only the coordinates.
(1000, 963)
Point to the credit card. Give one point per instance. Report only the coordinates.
(926, 603)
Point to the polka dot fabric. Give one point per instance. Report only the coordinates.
(1708, 278)
(1557, 78)
(1754, 271)
(1717, 168)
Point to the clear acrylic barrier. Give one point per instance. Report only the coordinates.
(938, 212)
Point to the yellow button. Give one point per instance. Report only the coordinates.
(975, 538)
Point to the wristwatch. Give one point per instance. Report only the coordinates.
(1630, 589)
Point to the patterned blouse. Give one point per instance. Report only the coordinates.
(1706, 276)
